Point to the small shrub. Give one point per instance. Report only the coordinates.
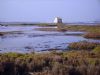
(97, 50)
(83, 45)
(66, 63)
(92, 35)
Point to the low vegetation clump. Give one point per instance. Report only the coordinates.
(97, 49)
(83, 45)
(86, 28)
(92, 35)
(53, 63)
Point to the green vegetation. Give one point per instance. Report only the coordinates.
(95, 28)
(97, 49)
(83, 45)
(94, 35)
(91, 31)
(53, 63)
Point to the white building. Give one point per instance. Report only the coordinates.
(57, 20)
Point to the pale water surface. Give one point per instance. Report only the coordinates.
(26, 39)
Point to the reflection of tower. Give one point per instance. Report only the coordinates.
(57, 20)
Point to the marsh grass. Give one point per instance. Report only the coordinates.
(87, 28)
(94, 35)
(97, 50)
(53, 63)
(83, 45)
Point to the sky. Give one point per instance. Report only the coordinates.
(47, 10)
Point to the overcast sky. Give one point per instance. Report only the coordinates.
(47, 10)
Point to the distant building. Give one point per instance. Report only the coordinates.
(57, 20)
(59, 23)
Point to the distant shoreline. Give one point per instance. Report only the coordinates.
(43, 24)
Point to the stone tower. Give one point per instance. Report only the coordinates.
(59, 23)
(57, 20)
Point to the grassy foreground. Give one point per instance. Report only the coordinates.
(54, 63)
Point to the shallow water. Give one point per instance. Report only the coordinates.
(30, 40)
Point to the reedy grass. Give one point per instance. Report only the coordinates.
(53, 63)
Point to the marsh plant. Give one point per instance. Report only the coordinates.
(83, 45)
(53, 63)
(94, 35)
